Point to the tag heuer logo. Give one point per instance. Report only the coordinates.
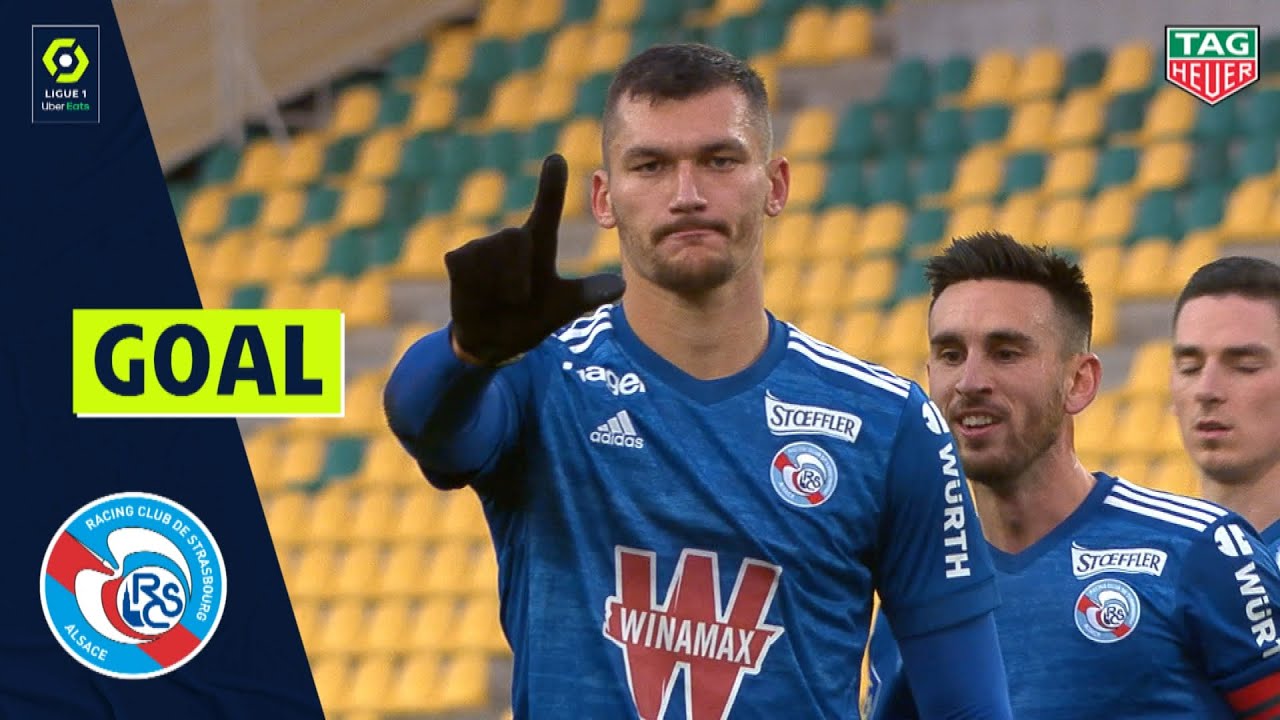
(1211, 62)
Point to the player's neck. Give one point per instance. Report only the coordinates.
(709, 337)
(1257, 501)
(1021, 513)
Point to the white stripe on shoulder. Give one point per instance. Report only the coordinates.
(584, 326)
(596, 329)
(1125, 491)
(1182, 520)
(853, 372)
(1191, 502)
(834, 353)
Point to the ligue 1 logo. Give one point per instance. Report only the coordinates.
(133, 586)
(1211, 62)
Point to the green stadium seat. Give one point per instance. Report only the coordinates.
(219, 165)
(386, 243)
(539, 141)
(911, 280)
(490, 62)
(764, 36)
(408, 61)
(417, 154)
(855, 133)
(952, 77)
(459, 155)
(440, 196)
(660, 13)
(1218, 121)
(500, 150)
(924, 230)
(520, 192)
(1269, 56)
(395, 107)
(1157, 216)
(402, 201)
(935, 176)
(576, 11)
(988, 123)
(1211, 164)
(247, 297)
(340, 156)
(528, 52)
(1117, 166)
(473, 99)
(778, 11)
(1085, 69)
(242, 211)
(347, 256)
(897, 129)
(1205, 207)
(907, 85)
(342, 457)
(733, 35)
(1125, 112)
(179, 192)
(592, 93)
(1262, 114)
(891, 180)
(844, 186)
(1257, 157)
(322, 203)
(944, 131)
(1024, 171)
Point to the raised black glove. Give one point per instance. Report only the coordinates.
(504, 292)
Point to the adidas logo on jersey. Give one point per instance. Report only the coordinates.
(618, 431)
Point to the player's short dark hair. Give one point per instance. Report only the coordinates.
(685, 70)
(991, 255)
(1251, 277)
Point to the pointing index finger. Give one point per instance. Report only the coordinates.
(544, 220)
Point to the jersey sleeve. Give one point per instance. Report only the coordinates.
(1229, 588)
(455, 419)
(933, 568)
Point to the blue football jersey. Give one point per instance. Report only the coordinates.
(1271, 536)
(1141, 604)
(677, 548)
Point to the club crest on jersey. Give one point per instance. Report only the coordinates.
(715, 644)
(1107, 611)
(786, 418)
(803, 474)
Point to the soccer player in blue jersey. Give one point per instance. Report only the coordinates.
(1118, 601)
(1226, 385)
(691, 501)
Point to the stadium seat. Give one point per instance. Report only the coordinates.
(259, 165)
(1175, 474)
(1070, 172)
(328, 519)
(1196, 249)
(890, 181)
(834, 236)
(1205, 208)
(1210, 165)
(1171, 114)
(858, 331)
(433, 109)
(781, 281)
(810, 134)
(1079, 120)
(478, 628)
(924, 231)
(1128, 68)
(204, 212)
(265, 261)
(464, 681)
(1248, 209)
(304, 159)
(969, 219)
(989, 123)
(952, 79)
(805, 43)
(463, 517)
(1117, 166)
(511, 101)
(1019, 217)
(881, 230)
(379, 156)
(312, 577)
(394, 108)
(808, 181)
(540, 17)
(567, 47)
(993, 78)
(1144, 270)
(1149, 370)
(851, 33)
(1062, 222)
(1031, 125)
(1136, 425)
(1040, 75)
(1023, 172)
(1262, 115)
(1157, 216)
(1125, 116)
(934, 180)
(341, 628)
(1257, 157)
(368, 305)
(357, 571)
(1163, 166)
(1110, 217)
(821, 288)
(1085, 69)
(355, 111)
(330, 675)
(618, 13)
(480, 196)
(944, 131)
(415, 687)
(1096, 424)
(908, 85)
(904, 331)
(307, 253)
(553, 101)
(220, 165)
(387, 626)
(608, 50)
(1104, 319)
(1134, 467)
(978, 176)
(370, 682)
(844, 185)
(855, 136)
(361, 206)
(1217, 121)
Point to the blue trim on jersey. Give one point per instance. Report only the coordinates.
(1013, 563)
(707, 392)
(1271, 536)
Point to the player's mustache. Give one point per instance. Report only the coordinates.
(690, 224)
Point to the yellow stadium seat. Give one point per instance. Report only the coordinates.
(301, 460)
(306, 253)
(357, 572)
(328, 292)
(205, 212)
(1134, 467)
(766, 66)
(904, 333)
(341, 628)
(363, 402)
(314, 573)
(579, 142)
(462, 516)
(723, 9)
(1104, 319)
(605, 251)
(304, 159)
(537, 17)
(1061, 223)
(805, 42)
(608, 50)
(484, 572)
(388, 626)
(1020, 217)
(871, 283)
(330, 675)
(451, 51)
(429, 626)
(355, 111)
(835, 235)
(1196, 249)
(464, 682)
(810, 134)
(1170, 114)
(822, 287)
(259, 165)
(820, 323)
(499, 19)
(1096, 424)
(1110, 216)
(282, 210)
(1176, 475)
(1040, 75)
(1163, 166)
(1080, 118)
(852, 34)
(368, 520)
(379, 156)
(418, 517)
(859, 331)
(1070, 171)
(284, 517)
(781, 281)
(433, 109)
(787, 236)
(566, 50)
(882, 229)
(808, 178)
(1030, 126)
(993, 78)
(618, 13)
(329, 517)
(445, 570)
(1168, 441)
(226, 258)
(979, 175)
(1248, 209)
(265, 260)
(1101, 266)
(511, 100)
(423, 254)
(1137, 423)
(478, 628)
(361, 206)
(368, 304)
(576, 199)
(401, 577)
(214, 294)
(1144, 271)
(970, 219)
(370, 683)
(1149, 370)
(415, 688)
(480, 196)
(1128, 68)
(388, 464)
(554, 99)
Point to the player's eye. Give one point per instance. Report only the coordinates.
(723, 162)
(951, 356)
(1187, 368)
(650, 166)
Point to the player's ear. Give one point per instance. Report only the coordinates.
(601, 203)
(779, 172)
(1084, 382)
